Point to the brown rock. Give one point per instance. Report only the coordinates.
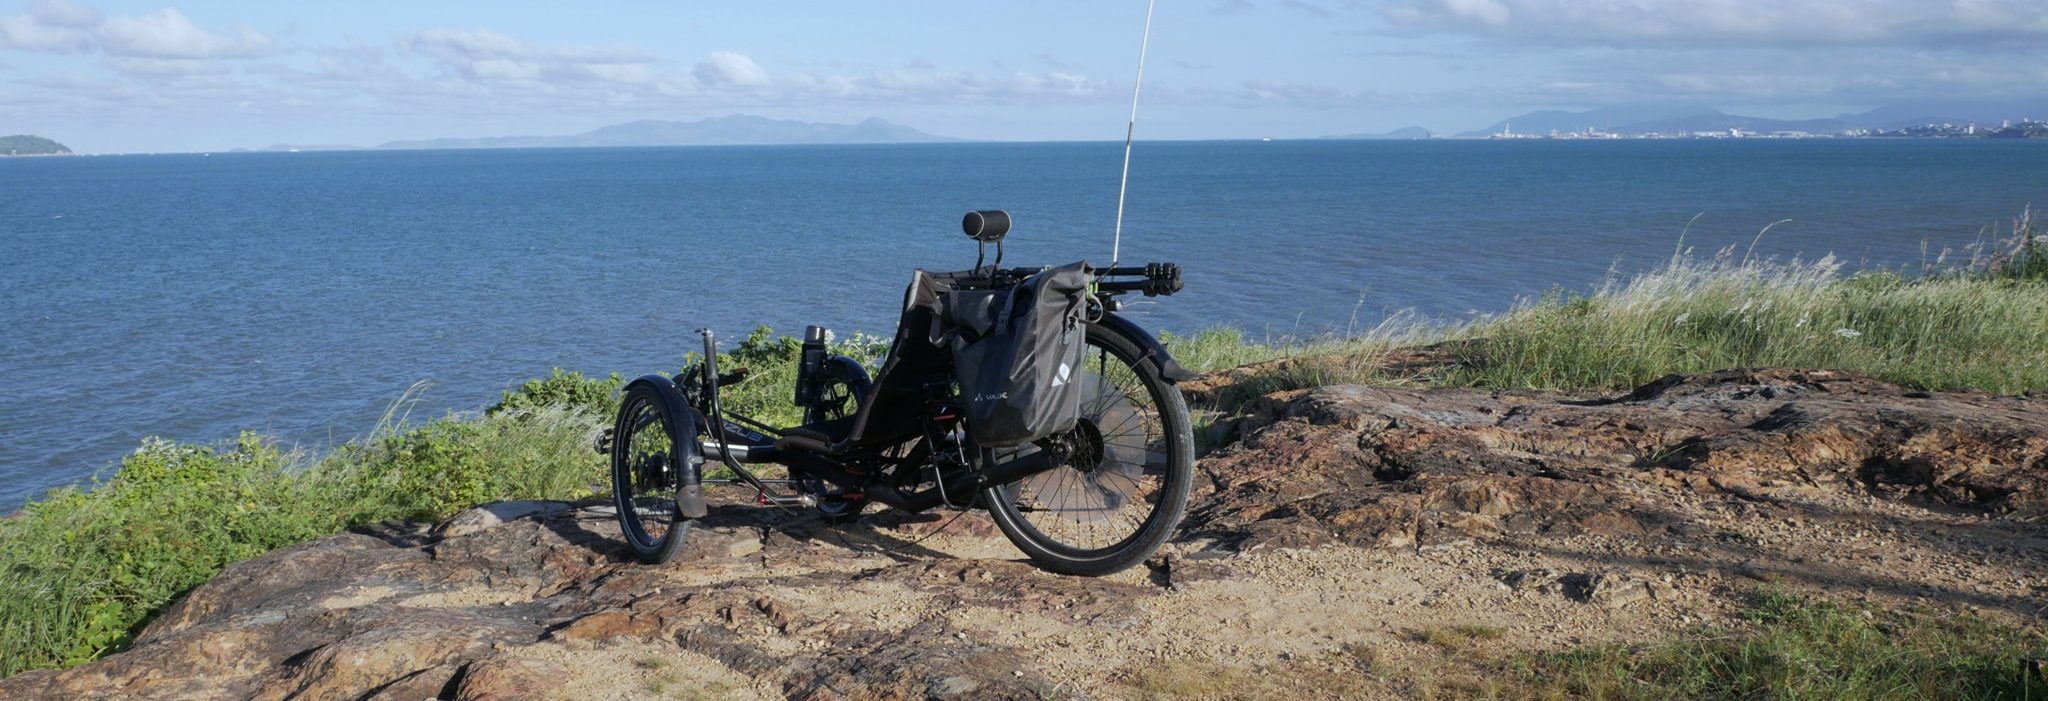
(1398, 467)
(607, 625)
(501, 678)
(490, 516)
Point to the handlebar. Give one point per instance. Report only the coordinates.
(1156, 279)
(1159, 279)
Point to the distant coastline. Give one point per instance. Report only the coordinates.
(2009, 119)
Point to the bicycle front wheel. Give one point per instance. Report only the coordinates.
(1124, 485)
(647, 465)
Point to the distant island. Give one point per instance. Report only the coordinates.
(26, 145)
(733, 130)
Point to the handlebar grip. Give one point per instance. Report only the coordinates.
(1159, 279)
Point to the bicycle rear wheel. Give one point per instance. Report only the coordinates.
(1124, 484)
(647, 464)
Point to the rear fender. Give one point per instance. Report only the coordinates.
(683, 433)
(1149, 348)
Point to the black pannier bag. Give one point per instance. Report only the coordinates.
(1017, 355)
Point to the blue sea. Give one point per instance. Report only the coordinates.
(299, 294)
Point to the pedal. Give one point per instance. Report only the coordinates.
(604, 442)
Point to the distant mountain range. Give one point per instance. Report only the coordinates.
(716, 131)
(273, 148)
(26, 145)
(1682, 117)
(1402, 133)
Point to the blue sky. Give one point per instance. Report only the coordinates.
(180, 75)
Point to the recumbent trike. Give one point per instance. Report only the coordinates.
(1019, 390)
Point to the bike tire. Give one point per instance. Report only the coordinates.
(1173, 468)
(647, 456)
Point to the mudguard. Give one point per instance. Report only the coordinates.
(1150, 348)
(683, 432)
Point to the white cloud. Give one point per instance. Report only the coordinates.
(166, 33)
(165, 67)
(1230, 7)
(1308, 8)
(167, 64)
(26, 33)
(57, 26)
(1803, 23)
(481, 59)
(1227, 8)
(484, 44)
(58, 13)
(728, 68)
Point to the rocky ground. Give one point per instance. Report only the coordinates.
(1341, 535)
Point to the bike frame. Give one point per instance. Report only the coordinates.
(736, 441)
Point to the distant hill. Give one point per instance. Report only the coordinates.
(287, 148)
(1402, 133)
(25, 145)
(716, 131)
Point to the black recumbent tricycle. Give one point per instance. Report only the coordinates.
(1021, 391)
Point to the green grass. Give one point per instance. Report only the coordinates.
(1946, 332)
(1800, 648)
(84, 569)
(1980, 324)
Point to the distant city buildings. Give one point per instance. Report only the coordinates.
(2025, 129)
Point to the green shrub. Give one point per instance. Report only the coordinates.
(563, 388)
(84, 569)
(771, 365)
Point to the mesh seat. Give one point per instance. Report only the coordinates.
(915, 367)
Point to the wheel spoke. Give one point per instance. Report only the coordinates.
(646, 462)
(1114, 481)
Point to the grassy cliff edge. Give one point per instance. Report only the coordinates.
(87, 567)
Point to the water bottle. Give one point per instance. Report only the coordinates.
(809, 364)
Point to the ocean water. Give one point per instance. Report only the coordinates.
(191, 296)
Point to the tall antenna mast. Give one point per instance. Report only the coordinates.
(1116, 247)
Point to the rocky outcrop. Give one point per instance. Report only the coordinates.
(1395, 467)
(1340, 517)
